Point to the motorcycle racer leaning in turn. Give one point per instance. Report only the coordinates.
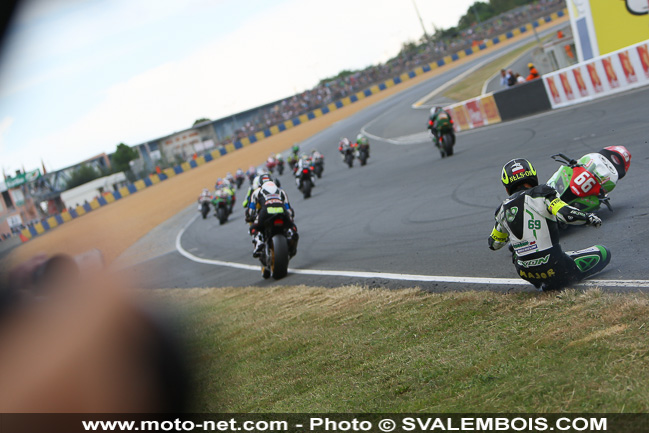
(269, 201)
(528, 220)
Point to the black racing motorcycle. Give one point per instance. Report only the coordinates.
(304, 182)
(205, 207)
(318, 166)
(348, 157)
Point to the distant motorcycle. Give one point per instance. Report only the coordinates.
(348, 156)
(445, 139)
(318, 166)
(304, 181)
(292, 160)
(585, 183)
(271, 163)
(204, 206)
(239, 177)
(222, 202)
(280, 166)
(363, 154)
(251, 174)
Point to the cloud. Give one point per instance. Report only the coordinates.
(5, 124)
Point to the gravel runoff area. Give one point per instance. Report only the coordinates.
(114, 228)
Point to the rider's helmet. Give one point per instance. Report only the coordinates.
(269, 187)
(295, 149)
(259, 180)
(435, 110)
(219, 183)
(620, 157)
(206, 191)
(516, 173)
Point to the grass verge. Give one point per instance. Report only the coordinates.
(301, 349)
(472, 86)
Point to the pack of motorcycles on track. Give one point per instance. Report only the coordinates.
(267, 208)
(570, 196)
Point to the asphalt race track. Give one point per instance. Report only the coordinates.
(410, 212)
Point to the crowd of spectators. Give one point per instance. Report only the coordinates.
(427, 51)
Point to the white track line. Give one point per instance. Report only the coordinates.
(394, 276)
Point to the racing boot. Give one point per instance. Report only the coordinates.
(258, 245)
(590, 261)
(292, 237)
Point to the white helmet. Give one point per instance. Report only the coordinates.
(269, 188)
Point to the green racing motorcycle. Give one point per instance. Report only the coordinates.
(586, 183)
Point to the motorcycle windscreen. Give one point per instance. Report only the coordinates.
(560, 179)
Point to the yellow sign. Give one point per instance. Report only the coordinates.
(617, 24)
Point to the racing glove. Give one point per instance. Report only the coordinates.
(594, 220)
(250, 215)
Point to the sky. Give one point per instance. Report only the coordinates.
(78, 77)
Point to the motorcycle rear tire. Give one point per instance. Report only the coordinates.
(306, 188)
(363, 159)
(278, 256)
(447, 144)
(222, 215)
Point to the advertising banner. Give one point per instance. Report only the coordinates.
(460, 117)
(616, 72)
(490, 109)
(13, 182)
(474, 113)
(618, 24)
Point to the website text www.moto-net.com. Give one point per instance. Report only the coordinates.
(319, 424)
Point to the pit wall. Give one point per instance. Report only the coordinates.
(606, 75)
(107, 198)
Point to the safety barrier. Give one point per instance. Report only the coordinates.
(623, 70)
(480, 106)
(615, 72)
